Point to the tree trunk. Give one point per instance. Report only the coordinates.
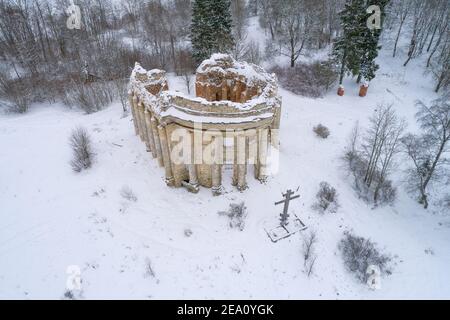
(358, 79)
(398, 37)
(423, 198)
(342, 72)
(292, 53)
(440, 81)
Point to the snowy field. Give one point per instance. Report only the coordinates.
(52, 218)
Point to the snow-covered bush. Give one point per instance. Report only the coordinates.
(90, 97)
(309, 252)
(14, 93)
(321, 131)
(311, 80)
(326, 199)
(359, 253)
(386, 192)
(188, 233)
(72, 295)
(127, 193)
(80, 143)
(237, 214)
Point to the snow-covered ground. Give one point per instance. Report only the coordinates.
(52, 218)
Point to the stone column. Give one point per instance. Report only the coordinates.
(216, 176)
(131, 98)
(137, 120)
(193, 178)
(143, 109)
(216, 166)
(234, 181)
(263, 142)
(274, 138)
(192, 185)
(141, 121)
(151, 138)
(242, 162)
(154, 125)
(166, 155)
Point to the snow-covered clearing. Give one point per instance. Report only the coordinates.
(51, 217)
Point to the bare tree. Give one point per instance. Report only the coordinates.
(270, 16)
(427, 151)
(440, 66)
(429, 21)
(308, 252)
(121, 86)
(401, 9)
(295, 28)
(253, 53)
(371, 160)
(419, 17)
(185, 67)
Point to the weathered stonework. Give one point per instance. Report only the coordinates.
(233, 121)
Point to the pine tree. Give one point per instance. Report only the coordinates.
(369, 47)
(347, 48)
(211, 28)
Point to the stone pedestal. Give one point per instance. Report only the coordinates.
(363, 90)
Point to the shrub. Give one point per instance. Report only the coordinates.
(308, 251)
(188, 233)
(237, 214)
(360, 253)
(327, 199)
(15, 93)
(387, 193)
(90, 97)
(82, 150)
(321, 131)
(311, 80)
(72, 295)
(128, 194)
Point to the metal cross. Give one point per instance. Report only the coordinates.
(286, 201)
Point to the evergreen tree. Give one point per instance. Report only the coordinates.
(347, 48)
(369, 47)
(211, 28)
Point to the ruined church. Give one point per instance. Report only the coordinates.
(232, 123)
